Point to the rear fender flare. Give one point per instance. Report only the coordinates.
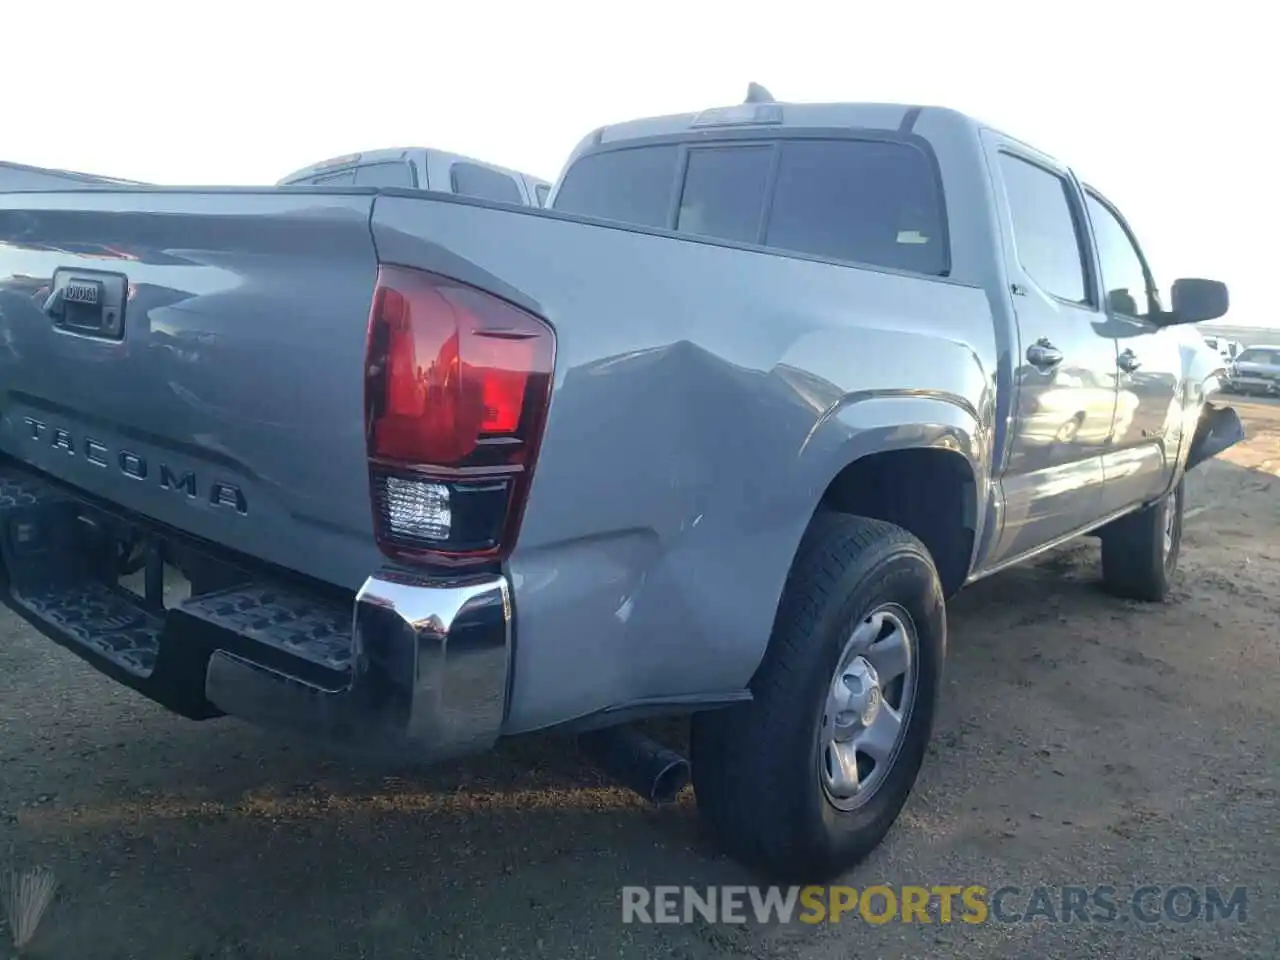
(884, 421)
(858, 427)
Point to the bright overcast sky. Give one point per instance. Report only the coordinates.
(1162, 107)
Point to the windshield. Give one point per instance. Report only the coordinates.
(1255, 355)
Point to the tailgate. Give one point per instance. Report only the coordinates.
(201, 362)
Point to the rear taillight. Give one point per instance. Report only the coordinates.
(457, 388)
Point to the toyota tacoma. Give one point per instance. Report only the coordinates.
(717, 433)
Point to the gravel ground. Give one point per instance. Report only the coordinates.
(1083, 740)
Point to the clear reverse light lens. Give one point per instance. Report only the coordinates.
(418, 509)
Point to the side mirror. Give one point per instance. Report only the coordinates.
(1196, 300)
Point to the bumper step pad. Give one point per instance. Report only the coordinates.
(49, 581)
(318, 633)
(20, 491)
(95, 615)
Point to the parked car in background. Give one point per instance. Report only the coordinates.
(1229, 349)
(422, 168)
(1255, 371)
(720, 433)
(19, 176)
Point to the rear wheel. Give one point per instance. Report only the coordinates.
(806, 779)
(1140, 551)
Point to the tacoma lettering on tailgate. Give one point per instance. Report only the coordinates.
(219, 493)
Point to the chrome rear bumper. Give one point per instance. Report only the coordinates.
(430, 668)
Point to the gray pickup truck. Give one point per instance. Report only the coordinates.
(716, 434)
(20, 177)
(423, 168)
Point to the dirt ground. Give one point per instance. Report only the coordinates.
(1083, 740)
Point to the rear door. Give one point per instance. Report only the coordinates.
(1065, 368)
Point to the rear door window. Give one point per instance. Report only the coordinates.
(1046, 237)
(871, 202)
(473, 180)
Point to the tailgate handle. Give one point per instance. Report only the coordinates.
(88, 302)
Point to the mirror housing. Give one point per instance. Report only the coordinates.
(1196, 300)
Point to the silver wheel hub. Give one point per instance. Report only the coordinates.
(861, 695)
(868, 706)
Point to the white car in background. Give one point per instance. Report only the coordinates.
(1230, 349)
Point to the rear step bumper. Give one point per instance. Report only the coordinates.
(430, 668)
(410, 669)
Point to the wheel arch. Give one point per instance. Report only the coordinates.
(930, 491)
(922, 462)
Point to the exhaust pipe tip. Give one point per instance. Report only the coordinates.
(670, 781)
(637, 762)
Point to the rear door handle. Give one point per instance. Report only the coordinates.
(1042, 354)
(1128, 361)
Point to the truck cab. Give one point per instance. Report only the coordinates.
(1088, 420)
(421, 168)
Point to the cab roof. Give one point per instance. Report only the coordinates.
(759, 109)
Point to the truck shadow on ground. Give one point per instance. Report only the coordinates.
(216, 839)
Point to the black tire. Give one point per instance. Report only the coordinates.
(1135, 562)
(755, 765)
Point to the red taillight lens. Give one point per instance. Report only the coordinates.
(457, 391)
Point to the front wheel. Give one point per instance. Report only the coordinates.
(1140, 551)
(806, 779)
